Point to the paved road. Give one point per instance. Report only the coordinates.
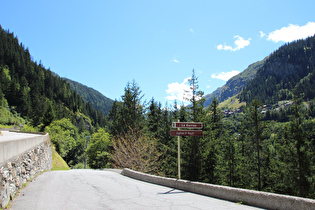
(107, 189)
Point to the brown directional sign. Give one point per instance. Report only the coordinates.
(186, 133)
(186, 125)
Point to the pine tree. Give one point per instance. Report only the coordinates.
(256, 127)
(297, 133)
(153, 118)
(192, 145)
(114, 118)
(211, 140)
(128, 113)
(227, 159)
(195, 98)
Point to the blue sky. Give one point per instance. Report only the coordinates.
(105, 43)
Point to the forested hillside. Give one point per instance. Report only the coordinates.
(267, 148)
(234, 85)
(291, 67)
(271, 150)
(98, 100)
(36, 93)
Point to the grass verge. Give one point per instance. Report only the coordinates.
(58, 163)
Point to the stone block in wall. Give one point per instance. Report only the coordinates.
(5, 195)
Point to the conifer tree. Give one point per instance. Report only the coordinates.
(298, 134)
(183, 115)
(192, 154)
(227, 157)
(211, 140)
(114, 118)
(153, 118)
(128, 113)
(255, 130)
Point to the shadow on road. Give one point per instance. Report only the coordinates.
(172, 191)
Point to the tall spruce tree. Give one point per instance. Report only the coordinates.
(227, 157)
(153, 120)
(212, 134)
(255, 130)
(128, 113)
(298, 134)
(192, 153)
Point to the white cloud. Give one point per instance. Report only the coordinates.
(240, 43)
(177, 91)
(175, 59)
(225, 47)
(262, 34)
(292, 32)
(192, 30)
(225, 75)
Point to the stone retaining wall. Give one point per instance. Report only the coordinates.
(16, 171)
(249, 197)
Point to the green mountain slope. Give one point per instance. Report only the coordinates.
(36, 93)
(98, 100)
(234, 85)
(291, 67)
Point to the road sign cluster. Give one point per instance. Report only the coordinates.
(179, 133)
(186, 125)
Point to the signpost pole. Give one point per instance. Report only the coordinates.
(178, 155)
(179, 133)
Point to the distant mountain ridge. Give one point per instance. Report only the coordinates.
(98, 100)
(36, 93)
(235, 85)
(288, 70)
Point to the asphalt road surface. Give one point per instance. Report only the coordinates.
(108, 189)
